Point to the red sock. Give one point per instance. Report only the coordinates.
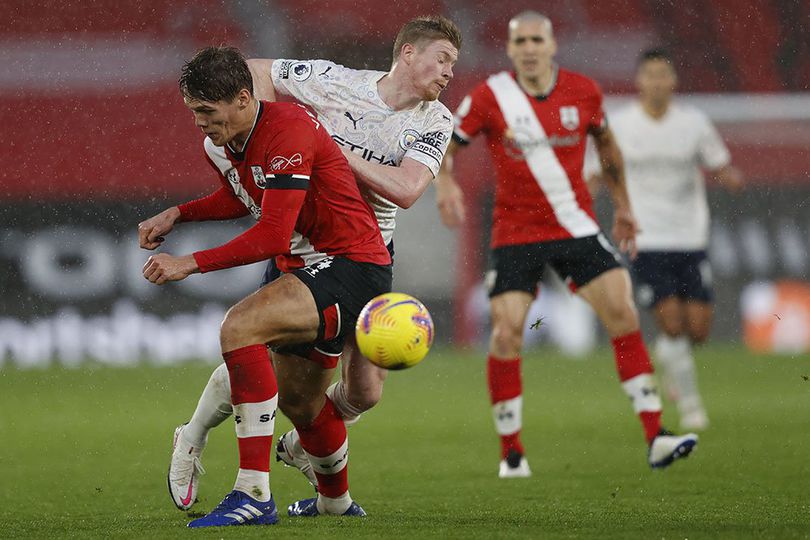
(505, 394)
(635, 373)
(327, 445)
(254, 395)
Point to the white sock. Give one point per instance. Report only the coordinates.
(212, 409)
(336, 506)
(339, 395)
(508, 416)
(643, 393)
(675, 356)
(254, 483)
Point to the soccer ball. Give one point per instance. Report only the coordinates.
(394, 331)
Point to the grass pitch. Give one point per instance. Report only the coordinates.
(83, 453)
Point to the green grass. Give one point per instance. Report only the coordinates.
(84, 453)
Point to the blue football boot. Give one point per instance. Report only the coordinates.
(239, 508)
(309, 508)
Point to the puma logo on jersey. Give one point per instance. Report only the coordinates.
(281, 162)
(348, 115)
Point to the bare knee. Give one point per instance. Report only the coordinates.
(699, 335)
(671, 326)
(506, 340)
(233, 333)
(364, 397)
(620, 317)
(300, 408)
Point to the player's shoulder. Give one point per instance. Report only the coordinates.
(437, 113)
(626, 112)
(573, 81)
(278, 115)
(688, 112)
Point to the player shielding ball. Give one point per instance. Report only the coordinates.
(394, 133)
(277, 163)
(536, 120)
(664, 145)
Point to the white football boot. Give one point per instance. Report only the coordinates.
(184, 471)
(290, 452)
(667, 447)
(514, 465)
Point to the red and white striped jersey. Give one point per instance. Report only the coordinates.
(538, 148)
(288, 152)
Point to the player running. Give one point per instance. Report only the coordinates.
(277, 163)
(536, 120)
(664, 146)
(394, 133)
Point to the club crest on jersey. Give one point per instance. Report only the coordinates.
(301, 71)
(281, 162)
(569, 118)
(258, 176)
(409, 136)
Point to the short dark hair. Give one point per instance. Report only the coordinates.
(215, 74)
(427, 28)
(655, 53)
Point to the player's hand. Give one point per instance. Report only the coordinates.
(151, 232)
(450, 200)
(163, 267)
(625, 229)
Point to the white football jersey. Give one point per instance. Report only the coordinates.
(663, 160)
(348, 104)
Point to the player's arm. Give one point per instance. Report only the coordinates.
(269, 237)
(729, 177)
(217, 206)
(260, 69)
(449, 196)
(401, 185)
(625, 226)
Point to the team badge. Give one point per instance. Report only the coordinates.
(569, 117)
(301, 71)
(409, 136)
(258, 176)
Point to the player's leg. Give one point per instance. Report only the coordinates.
(610, 296)
(596, 269)
(512, 284)
(698, 315)
(281, 313)
(341, 289)
(508, 313)
(319, 428)
(190, 439)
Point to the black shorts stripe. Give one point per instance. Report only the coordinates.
(287, 181)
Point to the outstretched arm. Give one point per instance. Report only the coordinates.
(625, 226)
(449, 197)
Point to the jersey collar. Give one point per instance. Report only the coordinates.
(240, 155)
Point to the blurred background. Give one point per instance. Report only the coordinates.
(97, 139)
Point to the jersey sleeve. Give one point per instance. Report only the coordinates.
(429, 148)
(472, 114)
(288, 166)
(303, 79)
(712, 151)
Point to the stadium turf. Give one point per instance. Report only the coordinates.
(83, 453)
